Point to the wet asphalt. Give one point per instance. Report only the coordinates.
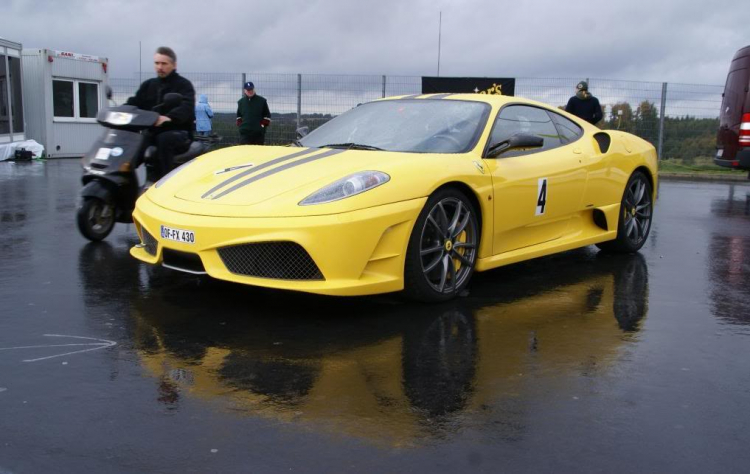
(579, 362)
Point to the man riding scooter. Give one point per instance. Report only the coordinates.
(174, 129)
(155, 128)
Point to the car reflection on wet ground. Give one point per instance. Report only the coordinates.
(580, 361)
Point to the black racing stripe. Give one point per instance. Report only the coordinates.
(258, 168)
(276, 170)
(439, 96)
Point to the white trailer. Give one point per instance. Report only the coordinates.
(63, 92)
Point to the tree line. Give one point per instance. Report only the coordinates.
(685, 137)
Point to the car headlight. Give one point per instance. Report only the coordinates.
(119, 118)
(349, 186)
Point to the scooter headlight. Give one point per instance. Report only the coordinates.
(119, 118)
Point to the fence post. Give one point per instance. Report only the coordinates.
(384, 86)
(661, 119)
(299, 100)
(244, 80)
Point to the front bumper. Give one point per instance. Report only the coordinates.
(358, 253)
(740, 161)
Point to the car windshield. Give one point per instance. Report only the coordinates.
(405, 125)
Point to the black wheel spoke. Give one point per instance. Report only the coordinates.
(433, 264)
(629, 226)
(463, 259)
(434, 223)
(452, 265)
(454, 221)
(444, 217)
(639, 189)
(431, 250)
(461, 226)
(443, 274)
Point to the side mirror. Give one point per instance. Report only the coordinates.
(172, 100)
(519, 140)
(108, 92)
(302, 131)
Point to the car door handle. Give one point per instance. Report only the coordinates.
(577, 151)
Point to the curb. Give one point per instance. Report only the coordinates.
(715, 177)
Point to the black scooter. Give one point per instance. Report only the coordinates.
(110, 181)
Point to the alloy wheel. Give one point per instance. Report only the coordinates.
(637, 212)
(448, 245)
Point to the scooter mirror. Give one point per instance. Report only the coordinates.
(303, 131)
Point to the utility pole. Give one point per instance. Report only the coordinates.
(440, 32)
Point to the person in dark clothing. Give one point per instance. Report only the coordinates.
(584, 105)
(174, 128)
(253, 116)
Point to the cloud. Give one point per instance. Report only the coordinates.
(675, 41)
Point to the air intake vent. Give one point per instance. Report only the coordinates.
(184, 261)
(603, 140)
(276, 260)
(149, 242)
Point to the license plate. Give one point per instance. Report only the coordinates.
(103, 153)
(178, 235)
(719, 153)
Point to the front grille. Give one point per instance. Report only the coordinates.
(149, 242)
(185, 261)
(277, 260)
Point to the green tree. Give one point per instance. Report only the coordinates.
(621, 118)
(646, 122)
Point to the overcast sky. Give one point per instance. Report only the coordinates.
(669, 40)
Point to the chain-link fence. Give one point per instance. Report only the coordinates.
(681, 120)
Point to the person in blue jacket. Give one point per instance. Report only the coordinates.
(203, 116)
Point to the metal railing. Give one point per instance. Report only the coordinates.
(681, 120)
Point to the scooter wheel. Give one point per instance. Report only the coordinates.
(95, 218)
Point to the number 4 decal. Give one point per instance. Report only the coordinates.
(541, 201)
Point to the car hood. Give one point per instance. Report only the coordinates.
(250, 181)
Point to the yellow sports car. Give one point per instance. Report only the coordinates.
(408, 193)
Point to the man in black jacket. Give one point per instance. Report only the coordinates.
(174, 128)
(585, 105)
(253, 116)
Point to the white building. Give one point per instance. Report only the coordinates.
(63, 93)
(11, 98)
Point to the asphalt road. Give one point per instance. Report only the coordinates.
(579, 362)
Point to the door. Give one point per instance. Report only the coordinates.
(536, 191)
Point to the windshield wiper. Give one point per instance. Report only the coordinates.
(352, 146)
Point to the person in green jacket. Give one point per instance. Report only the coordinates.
(253, 116)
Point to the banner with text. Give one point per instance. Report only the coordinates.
(477, 85)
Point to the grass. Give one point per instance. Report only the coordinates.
(700, 165)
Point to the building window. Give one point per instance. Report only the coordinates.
(88, 99)
(62, 98)
(16, 102)
(4, 102)
(75, 100)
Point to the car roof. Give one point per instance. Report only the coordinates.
(492, 99)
